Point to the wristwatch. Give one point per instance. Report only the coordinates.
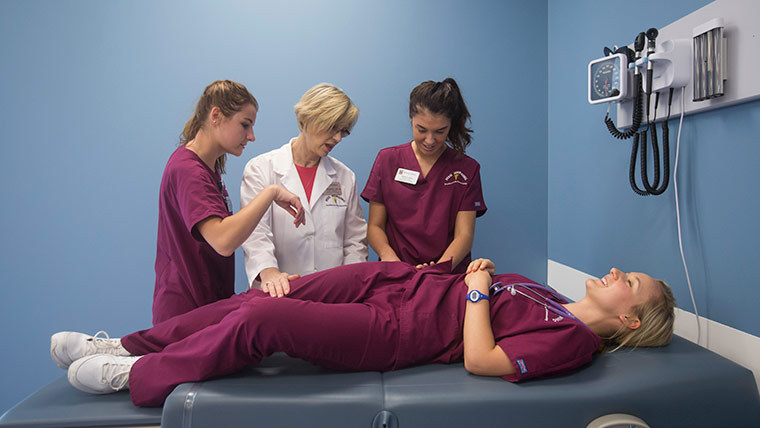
(475, 296)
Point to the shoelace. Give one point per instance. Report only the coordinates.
(106, 344)
(116, 375)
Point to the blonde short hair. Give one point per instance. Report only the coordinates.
(657, 316)
(325, 107)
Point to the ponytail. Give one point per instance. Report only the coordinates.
(446, 99)
(230, 97)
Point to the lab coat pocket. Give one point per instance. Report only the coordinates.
(331, 243)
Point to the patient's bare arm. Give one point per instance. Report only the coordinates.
(481, 354)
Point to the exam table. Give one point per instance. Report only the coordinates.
(681, 385)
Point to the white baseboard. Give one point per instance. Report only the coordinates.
(736, 345)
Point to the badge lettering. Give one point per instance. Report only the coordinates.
(407, 176)
(334, 189)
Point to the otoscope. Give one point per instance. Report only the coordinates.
(651, 37)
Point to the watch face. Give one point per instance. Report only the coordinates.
(475, 296)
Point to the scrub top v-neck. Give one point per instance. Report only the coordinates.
(421, 216)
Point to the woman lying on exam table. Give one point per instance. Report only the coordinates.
(197, 231)
(380, 316)
(335, 233)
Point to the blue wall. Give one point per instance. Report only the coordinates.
(95, 94)
(595, 219)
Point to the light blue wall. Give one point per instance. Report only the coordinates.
(595, 219)
(95, 94)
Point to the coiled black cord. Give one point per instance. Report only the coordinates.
(632, 167)
(656, 188)
(638, 110)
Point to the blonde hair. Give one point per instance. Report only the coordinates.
(230, 97)
(656, 315)
(325, 107)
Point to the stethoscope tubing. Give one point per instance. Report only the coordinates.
(549, 304)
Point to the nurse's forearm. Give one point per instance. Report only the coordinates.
(355, 232)
(456, 251)
(378, 240)
(464, 234)
(226, 235)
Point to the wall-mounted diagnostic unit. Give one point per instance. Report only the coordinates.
(709, 57)
(720, 59)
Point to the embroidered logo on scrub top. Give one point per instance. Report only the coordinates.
(456, 177)
(523, 367)
(333, 195)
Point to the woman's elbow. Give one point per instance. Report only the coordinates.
(217, 236)
(473, 366)
(222, 248)
(484, 367)
(224, 252)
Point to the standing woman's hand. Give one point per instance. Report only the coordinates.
(290, 203)
(276, 283)
(424, 265)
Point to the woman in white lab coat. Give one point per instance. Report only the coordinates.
(335, 232)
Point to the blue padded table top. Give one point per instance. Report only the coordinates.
(680, 385)
(60, 405)
(279, 392)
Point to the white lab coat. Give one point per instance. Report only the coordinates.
(335, 232)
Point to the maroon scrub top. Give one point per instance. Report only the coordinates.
(189, 272)
(539, 343)
(421, 216)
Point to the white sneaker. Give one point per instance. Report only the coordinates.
(68, 346)
(101, 374)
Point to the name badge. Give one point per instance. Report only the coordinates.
(407, 176)
(334, 189)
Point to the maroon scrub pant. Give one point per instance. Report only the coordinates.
(343, 318)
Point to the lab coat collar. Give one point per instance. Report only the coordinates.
(285, 168)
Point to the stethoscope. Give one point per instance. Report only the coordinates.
(548, 304)
(227, 202)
